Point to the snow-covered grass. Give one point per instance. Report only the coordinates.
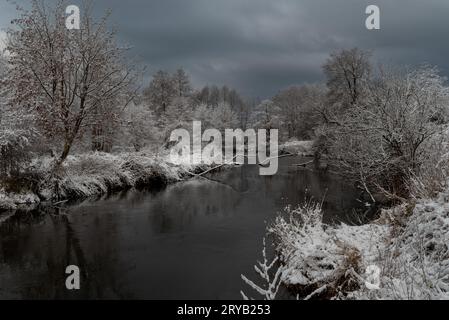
(93, 174)
(409, 244)
(322, 261)
(12, 201)
(415, 265)
(302, 148)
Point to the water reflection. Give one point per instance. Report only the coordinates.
(191, 240)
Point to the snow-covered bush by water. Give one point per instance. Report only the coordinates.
(94, 174)
(320, 260)
(408, 243)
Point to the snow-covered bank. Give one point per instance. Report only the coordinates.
(302, 148)
(415, 264)
(407, 245)
(93, 174)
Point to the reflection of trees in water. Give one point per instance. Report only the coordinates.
(36, 248)
(183, 205)
(337, 196)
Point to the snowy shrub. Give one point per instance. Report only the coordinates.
(415, 265)
(271, 278)
(376, 133)
(433, 174)
(14, 145)
(319, 260)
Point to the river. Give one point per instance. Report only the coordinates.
(190, 240)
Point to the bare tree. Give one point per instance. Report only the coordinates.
(266, 116)
(182, 83)
(69, 78)
(381, 141)
(298, 108)
(347, 72)
(161, 91)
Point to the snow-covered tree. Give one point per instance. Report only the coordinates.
(298, 109)
(347, 73)
(139, 124)
(214, 96)
(68, 78)
(223, 117)
(182, 83)
(381, 141)
(266, 116)
(16, 130)
(161, 91)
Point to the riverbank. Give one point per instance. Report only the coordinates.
(402, 255)
(92, 174)
(85, 175)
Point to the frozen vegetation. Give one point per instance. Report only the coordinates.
(408, 244)
(94, 174)
(302, 148)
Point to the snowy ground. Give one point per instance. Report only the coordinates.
(408, 246)
(98, 173)
(302, 148)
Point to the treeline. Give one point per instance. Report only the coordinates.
(64, 91)
(172, 98)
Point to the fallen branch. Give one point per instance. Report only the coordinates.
(60, 202)
(277, 157)
(317, 291)
(303, 164)
(212, 169)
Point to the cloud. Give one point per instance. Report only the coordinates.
(262, 46)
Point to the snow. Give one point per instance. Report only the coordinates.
(10, 201)
(409, 244)
(416, 263)
(302, 148)
(97, 173)
(314, 254)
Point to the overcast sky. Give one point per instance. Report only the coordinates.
(262, 46)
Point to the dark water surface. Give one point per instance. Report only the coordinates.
(191, 240)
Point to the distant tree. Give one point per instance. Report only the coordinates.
(139, 123)
(179, 113)
(161, 91)
(203, 113)
(182, 83)
(298, 109)
(214, 96)
(347, 73)
(266, 116)
(203, 96)
(224, 94)
(234, 99)
(223, 117)
(66, 77)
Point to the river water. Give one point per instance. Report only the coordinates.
(190, 240)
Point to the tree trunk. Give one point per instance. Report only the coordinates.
(65, 152)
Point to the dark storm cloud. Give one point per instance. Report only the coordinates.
(262, 46)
